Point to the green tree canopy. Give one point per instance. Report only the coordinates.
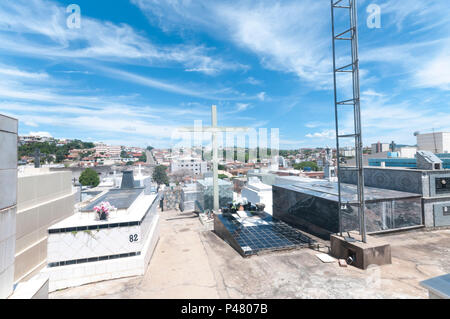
(89, 177)
(302, 165)
(60, 151)
(143, 158)
(160, 175)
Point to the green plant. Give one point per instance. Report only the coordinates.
(302, 165)
(90, 233)
(89, 177)
(160, 175)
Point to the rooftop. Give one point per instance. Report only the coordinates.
(329, 190)
(192, 263)
(209, 182)
(119, 198)
(132, 215)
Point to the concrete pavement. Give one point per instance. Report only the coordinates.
(192, 263)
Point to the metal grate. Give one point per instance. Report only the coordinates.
(265, 235)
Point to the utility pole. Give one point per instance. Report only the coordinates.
(349, 35)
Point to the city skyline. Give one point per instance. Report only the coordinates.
(136, 70)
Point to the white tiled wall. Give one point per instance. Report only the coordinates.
(33, 222)
(77, 275)
(8, 200)
(104, 242)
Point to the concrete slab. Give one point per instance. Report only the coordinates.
(192, 263)
(359, 254)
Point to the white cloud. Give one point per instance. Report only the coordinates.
(435, 73)
(40, 134)
(262, 96)
(326, 134)
(31, 123)
(24, 23)
(424, 63)
(288, 36)
(418, 15)
(251, 80)
(313, 124)
(14, 72)
(242, 106)
(385, 119)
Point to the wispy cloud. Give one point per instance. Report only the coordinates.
(279, 33)
(15, 72)
(24, 23)
(386, 118)
(326, 134)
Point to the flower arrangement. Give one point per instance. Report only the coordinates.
(103, 210)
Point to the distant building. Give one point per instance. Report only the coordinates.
(407, 152)
(438, 142)
(110, 151)
(406, 162)
(380, 147)
(197, 166)
(35, 139)
(347, 152)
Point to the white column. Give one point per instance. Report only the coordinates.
(215, 159)
(8, 202)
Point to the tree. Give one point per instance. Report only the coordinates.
(143, 158)
(222, 167)
(181, 174)
(302, 165)
(89, 177)
(60, 157)
(160, 175)
(150, 148)
(222, 176)
(123, 154)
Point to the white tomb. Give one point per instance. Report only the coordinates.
(82, 249)
(257, 192)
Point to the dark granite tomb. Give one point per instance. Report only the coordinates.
(313, 207)
(257, 233)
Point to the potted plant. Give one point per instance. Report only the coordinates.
(103, 210)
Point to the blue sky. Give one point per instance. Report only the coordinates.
(138, 69)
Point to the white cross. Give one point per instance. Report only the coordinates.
(214, 129)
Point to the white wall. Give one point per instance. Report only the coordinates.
(434, 142)
(44, 198)
(446, 143)
(8, 196)
(255, 196)
(408, 152)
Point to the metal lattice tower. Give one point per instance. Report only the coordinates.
(341, 7)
